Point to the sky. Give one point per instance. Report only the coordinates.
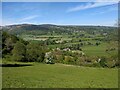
(60, 13)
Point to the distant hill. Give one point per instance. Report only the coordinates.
(45, 28)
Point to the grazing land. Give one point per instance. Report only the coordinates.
(59, 76)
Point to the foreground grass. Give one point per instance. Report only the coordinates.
(59, 76)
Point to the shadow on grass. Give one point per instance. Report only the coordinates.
(15, 65)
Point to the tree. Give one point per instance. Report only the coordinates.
(35, 52)
(97, 43)
(8, 42)
(4, 36)
(80, 40)
(23, 41)
(19, 52)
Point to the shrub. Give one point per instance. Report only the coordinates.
(103, 62)
(110, 64)
(49, 58)
(96, 65)
(59, 58)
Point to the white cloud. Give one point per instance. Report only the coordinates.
(29, 18)
(90, 5)
(11, 21)
(105, 11)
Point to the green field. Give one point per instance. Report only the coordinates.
(59, 76)
(98, 50)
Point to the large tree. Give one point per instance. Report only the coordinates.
(8, 42)
(19, 51)
(35, 52)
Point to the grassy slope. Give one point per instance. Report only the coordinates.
(58, 75)
(98, 50)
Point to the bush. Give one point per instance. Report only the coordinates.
(7, 58)
(117, 63)
(69, 60)
(103, 62)
(49, 58)
(110, 64)
(59, 58)
(96, 65)
(41, 57)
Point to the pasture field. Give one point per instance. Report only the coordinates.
(98, 50)
(41, 37)
(59, 76)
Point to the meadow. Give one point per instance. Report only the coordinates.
(59, 76)
(99, 50)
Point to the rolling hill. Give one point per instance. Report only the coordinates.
(45, 28)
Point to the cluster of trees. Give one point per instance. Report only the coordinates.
(73, 47)
(17, 49)
(78, 46)
(50, 42)
(76, 58)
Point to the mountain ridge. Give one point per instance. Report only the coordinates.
(44, 28)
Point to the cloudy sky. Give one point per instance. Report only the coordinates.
(60, 13)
